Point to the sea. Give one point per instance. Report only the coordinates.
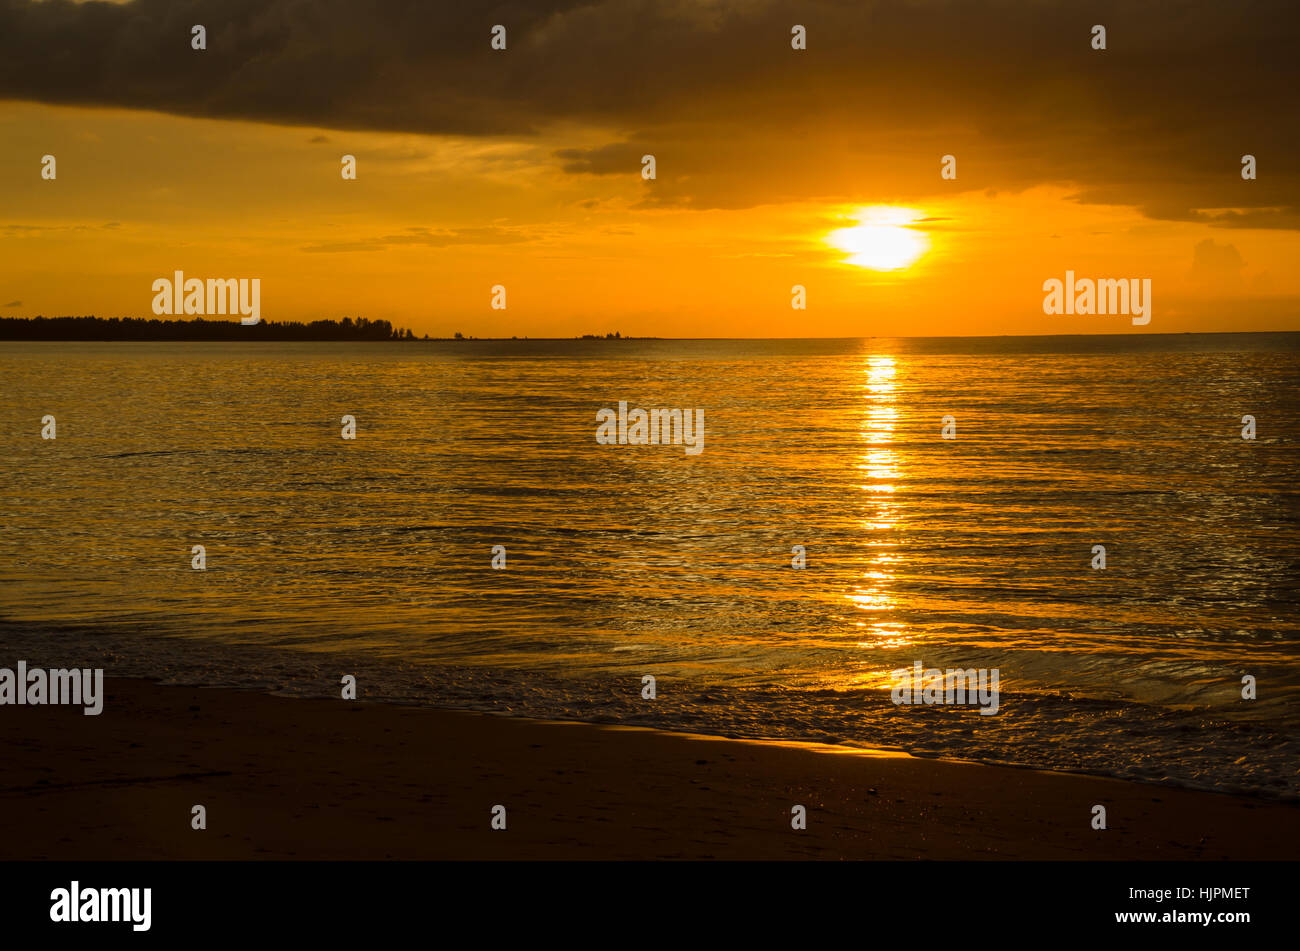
(475, 546)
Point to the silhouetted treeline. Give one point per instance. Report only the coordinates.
(136, 328)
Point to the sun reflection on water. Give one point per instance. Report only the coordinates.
(879, 465)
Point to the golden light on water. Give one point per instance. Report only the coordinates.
(883, 239)
(880, 460)
(875, 592)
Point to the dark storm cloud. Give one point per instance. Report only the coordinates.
(735, 117)
(613, 159)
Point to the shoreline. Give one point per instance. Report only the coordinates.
(1253, 764)
(303, 778)
(601, 337)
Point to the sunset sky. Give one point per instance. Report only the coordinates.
(522, 167)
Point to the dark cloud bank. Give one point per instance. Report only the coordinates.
(1159, 120)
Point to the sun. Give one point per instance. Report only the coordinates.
(883, 239)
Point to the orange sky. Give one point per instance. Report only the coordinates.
(558, 213)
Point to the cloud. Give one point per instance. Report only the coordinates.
(1211, 257)
(14, 303)
(423, 236)
(617, 158)
(1217, 265)
(734, 116)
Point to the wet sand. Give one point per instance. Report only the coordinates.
(320, 779)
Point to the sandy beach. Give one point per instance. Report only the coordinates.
(318, 779)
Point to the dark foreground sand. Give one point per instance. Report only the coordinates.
(329, 779)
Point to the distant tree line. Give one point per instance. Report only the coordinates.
(138, 328)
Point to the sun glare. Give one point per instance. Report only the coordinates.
(883, 239)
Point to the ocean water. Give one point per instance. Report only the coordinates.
(373, 556)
